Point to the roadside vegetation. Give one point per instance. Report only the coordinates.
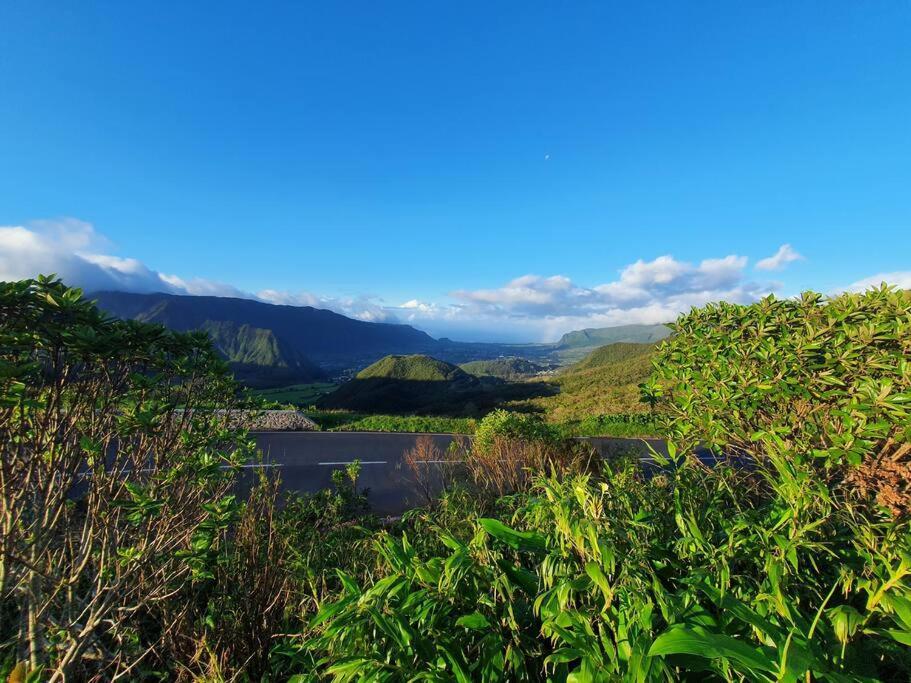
(532, 560)
(348, 421)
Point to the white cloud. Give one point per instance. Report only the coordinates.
(527, 308)
(68, 247)
(900, 279)
(366, 308)
(777, 261)
(653, 291)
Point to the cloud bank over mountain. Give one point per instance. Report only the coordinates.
(531, 307)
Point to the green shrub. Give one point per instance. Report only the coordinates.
(828, 380)
(829, 377)
(115, 473)
(511, 425)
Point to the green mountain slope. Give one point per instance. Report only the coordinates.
(604, 382)
(269, 344)
(416, 368)
(257, 357)
(574, 346)
(619, 352)
(514, 368)
(636, 334)
(421, 385)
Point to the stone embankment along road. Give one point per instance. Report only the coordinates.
(269, 420)
(272, 420)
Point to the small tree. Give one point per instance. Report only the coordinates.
(113, 472)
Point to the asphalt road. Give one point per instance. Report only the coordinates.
(305, 461)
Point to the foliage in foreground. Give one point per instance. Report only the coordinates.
(795, 567)
(533, 565)
(826, 381)
(639, 579)
(114, 478)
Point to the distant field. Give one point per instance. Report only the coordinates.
(297, 394)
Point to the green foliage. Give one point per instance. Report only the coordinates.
(626, 425)
(116, 472)
(504, 424)
(832, 378)
(513, 368)
(347, 421)
(827, 379)
(297, 395)
(636, 579)
(605, 382)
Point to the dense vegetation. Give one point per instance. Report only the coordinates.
(512, 368)
(605, 382)
(296, 395)
(424, 385)
(348, 421)
(788, 562)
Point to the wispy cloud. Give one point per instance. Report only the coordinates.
(73, 250)
(526, 308)
(786, 254)
(653, 291)
(900, 278)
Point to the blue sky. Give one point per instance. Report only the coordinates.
(502, 168)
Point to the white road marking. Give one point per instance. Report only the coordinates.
(251, 466)
(351, 462)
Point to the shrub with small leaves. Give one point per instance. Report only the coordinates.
(827, 379)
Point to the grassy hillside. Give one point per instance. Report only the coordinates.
(416, 368)
(300, 395)
(621, 352)
(422, 385)
(576, 345)
(513, 368)
(604, 382)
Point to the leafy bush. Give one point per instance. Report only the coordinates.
(633, 578)
(511, 425)
(114, 475)
(828, 380)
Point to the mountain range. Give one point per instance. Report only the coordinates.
(269, 344)
(274, 345)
